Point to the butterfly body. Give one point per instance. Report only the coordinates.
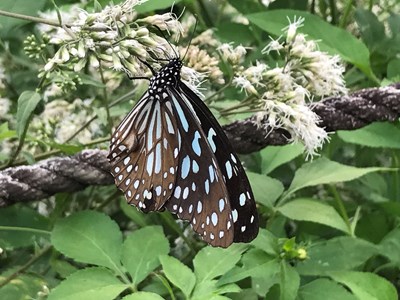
(170, 152)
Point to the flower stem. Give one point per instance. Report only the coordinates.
(105, 97)
(346, 14)
(340, 204)
(30, 18)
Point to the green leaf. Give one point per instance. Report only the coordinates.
(393, 69)
(24, 287)
(332, 39)
(143, 296)
(341, 253)
(275, 156)
(89, 80)
(390, 246)
(141, 250)
(89, 284)
(366, 286)
(27, 103)
(323, 171)
(212, 262)
(267, 242)
(155, 5)
(320, 288)
(131, 212)
(5, 132)
(266, 189)
(257, 265)
(290, 282)
(313, 211)
(24, 7)
(178, 273)
(19, 217)
(371, 29)
(89, 237)
(378, 135)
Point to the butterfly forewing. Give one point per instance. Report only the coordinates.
(200, 195)
(244, 212)
(144, 154)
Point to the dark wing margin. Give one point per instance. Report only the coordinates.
(241, 198)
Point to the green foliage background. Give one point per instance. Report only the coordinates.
(329, 227)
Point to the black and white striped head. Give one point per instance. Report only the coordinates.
(169, 75)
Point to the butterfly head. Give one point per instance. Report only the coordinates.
(169, 75)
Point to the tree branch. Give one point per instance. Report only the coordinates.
(90, 167)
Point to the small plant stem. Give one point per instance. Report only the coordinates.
(120, 99)
(332, 5)
(30, 18)
(396, 179)
(23, 268)
(165, 282)
(219, 91)
(346, 14)
(105, 97)
(25, 229)
(340, 204)
(171, 224)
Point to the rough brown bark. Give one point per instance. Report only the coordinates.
(90, 167)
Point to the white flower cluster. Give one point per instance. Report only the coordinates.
(282, 92)
(113, 37)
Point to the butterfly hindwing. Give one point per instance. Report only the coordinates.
(244, 212)
(200, 196)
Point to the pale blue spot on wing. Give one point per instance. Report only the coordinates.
(157, 168)
(181, 115)
(185, 167)
(207, 186)
(149, 165)
(211, 133)
(195, 167)
(228, 167)
(195, 143)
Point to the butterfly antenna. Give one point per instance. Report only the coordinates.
(165, 38)
(191, 38)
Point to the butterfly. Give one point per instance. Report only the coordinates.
(170, 153)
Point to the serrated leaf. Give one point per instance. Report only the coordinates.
(323, 171)
(331, 39)
(179, 274)
(22, 217)
(366, 285)
(141, 251)
(313, 211)
(143, 296)
(378, 135)
(341, 253)
(89, 237)
(266, 189)
(275, 156)
(27, 103)
(320, 288)
(89, 284)
(212, 262)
